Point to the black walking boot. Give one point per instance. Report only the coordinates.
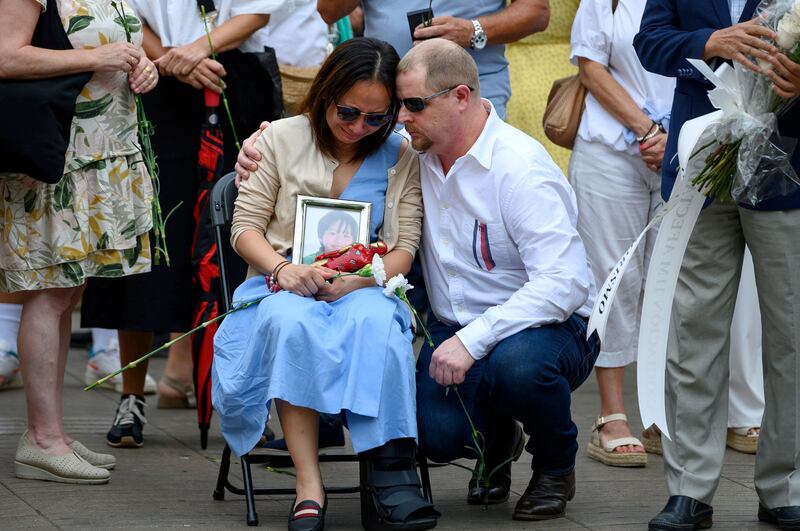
(391, 495)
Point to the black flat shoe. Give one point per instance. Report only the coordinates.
(307, 516)
(682, 513)
(546, 497)
(786, 518)
(500, 482)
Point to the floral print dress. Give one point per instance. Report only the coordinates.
(95, 221)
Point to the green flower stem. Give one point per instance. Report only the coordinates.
(224, 99)
(168, 344)
(403, 297)
(149, 158)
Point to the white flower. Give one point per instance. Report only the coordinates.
(378, 271)
(397, 283)
(789, 29)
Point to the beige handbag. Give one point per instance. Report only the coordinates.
(565, 103)
(562, 116)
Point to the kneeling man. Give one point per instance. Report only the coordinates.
(508, 281)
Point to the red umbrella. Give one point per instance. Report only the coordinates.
(204, 250)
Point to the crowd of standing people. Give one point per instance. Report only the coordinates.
(510, 251)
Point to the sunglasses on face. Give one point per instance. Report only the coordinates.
(418, 104)
(350, 114)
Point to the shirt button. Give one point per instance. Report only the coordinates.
(390, 204)
(445, 241)
(445, 206)
(451, 273)
(392, 171)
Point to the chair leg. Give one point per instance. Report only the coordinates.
(252, 517)
(425, 477)
(222, 478)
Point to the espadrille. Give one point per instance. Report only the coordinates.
(97, 459)
(31, 463)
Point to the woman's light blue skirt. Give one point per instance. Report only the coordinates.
(352, 355)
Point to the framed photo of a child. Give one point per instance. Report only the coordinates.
(322, 225)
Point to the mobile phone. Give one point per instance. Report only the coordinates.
(420, 16)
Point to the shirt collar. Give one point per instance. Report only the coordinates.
(483, 147)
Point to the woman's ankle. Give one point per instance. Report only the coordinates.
(310, 490)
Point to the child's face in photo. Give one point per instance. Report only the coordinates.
(337, 235)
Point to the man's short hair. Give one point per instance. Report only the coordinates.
(446, 65)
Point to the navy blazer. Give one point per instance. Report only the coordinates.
(671, 32)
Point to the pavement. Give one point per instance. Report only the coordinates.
(168, 483)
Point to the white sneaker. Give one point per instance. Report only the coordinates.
(104, 362)
(9, 370)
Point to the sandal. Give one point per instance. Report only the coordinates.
(606, 453)
(187, 399)
(307, 515)
(743, 440)
(651, 440)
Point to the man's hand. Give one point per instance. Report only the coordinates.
(785, 76)
(450, 362)
(207, 74)
(248, 157)
(458, 30)
(652, 151)
(740, 41)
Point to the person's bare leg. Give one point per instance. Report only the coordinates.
(65, 334)
(301, 430)
(133, 345)
(610, 380)
(179, 367)
(41, 353)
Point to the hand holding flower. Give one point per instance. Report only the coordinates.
(785, 76)
(144, 77)
(450, 362)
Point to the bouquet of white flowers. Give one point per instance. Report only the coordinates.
(746, 161)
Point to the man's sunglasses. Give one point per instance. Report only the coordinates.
(373, 119)
(418, 104)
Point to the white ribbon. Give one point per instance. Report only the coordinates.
(677, 218)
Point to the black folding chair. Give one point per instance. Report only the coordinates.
(223, 196)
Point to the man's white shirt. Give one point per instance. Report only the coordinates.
(500, 250)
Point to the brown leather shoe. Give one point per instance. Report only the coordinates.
(546, 497)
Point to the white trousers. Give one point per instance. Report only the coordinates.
(746, 394)
(617, 196)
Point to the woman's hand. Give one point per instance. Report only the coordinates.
(303, 280)
(180, 61)
(207, 74)
(119, 56)
(145, 77)
(341, 286)
(652, 151)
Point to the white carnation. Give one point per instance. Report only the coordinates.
(378, 270)
(397, 282)
(789, 29)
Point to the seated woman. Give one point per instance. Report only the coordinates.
(324, 344)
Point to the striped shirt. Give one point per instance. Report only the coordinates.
(736, 6)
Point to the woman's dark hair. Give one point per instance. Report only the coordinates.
(358, 59)
(335, 217)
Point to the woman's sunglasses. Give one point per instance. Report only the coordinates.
(373, 119)
(418, 104)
